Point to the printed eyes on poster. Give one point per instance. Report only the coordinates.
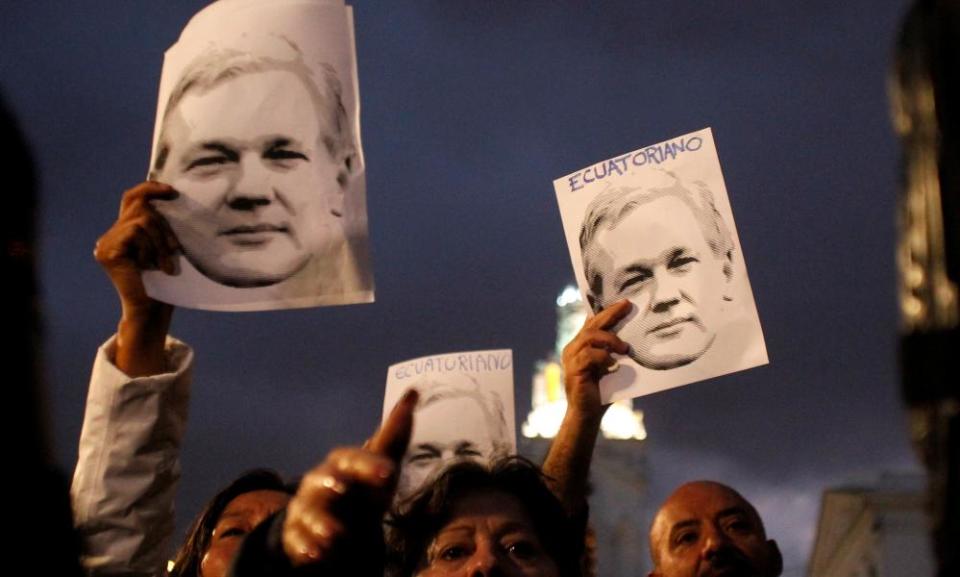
(465, 411)
(654, 226)
(258, 130)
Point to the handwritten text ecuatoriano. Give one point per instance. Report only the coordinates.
(464, 363)
(621, 165)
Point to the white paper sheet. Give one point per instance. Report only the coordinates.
(465, 411)
(258, 128)
(655, 226)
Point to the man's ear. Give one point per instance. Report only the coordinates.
(776, 559)
(592, 302)
(728, 275)
(347, 166)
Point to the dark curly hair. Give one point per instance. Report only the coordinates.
(411, 529)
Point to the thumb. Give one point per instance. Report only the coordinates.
(394, 435)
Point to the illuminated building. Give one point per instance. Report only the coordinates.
(548, 398)
(878, 529)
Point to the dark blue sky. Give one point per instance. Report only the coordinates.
(469, 110)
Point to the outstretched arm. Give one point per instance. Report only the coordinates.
(585, 360)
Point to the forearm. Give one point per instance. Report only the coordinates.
(586, 359)
(567, 464)
(141, 339)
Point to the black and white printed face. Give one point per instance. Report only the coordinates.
(444, 431)
(259, 190)
(657, 257)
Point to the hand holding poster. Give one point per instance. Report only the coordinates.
(655, 227)
(257, 129)
(465, 411)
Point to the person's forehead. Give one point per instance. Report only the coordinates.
(666, 209)
(462, 404)
(489, 508)
(266, 75)
(652, 229)
(702, 502)
(248, 104)
(459, 417)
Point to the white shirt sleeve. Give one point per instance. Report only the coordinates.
(129, 464)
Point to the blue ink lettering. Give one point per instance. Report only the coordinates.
(618, 166)
(613, 166)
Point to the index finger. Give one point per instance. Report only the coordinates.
(610, 315)
(148, 190)
(394, 435)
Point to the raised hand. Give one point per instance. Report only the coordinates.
(335, 519)
(139, 240)
(588, 357)
(585, 360)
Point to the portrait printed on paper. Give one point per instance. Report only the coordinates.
(655, 227)
(258, 131)
(465, 411)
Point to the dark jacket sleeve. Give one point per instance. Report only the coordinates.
(261, 553)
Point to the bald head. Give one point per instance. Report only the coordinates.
(706, 528)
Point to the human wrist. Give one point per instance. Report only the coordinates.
(148, 316)
(135, 300)
(584, 414)
(141, 339)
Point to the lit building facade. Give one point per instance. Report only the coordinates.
(879, 530)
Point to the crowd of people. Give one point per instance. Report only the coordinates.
(505, 516)
(473, 517)
(508, 516)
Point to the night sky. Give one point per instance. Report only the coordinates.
(469, 110)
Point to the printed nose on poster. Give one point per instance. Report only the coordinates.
(253, 182)
(666, 289)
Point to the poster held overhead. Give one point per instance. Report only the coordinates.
(257, 128)
(655, 227)
(465, 411)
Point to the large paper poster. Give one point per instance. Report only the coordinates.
(465, 411)
(654, 226)
(258, 130)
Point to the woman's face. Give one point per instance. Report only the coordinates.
(241, 516)
(489, 533)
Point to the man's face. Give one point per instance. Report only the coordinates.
(707, 530)
(657, 257)
(445, 430)
(258, 189)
